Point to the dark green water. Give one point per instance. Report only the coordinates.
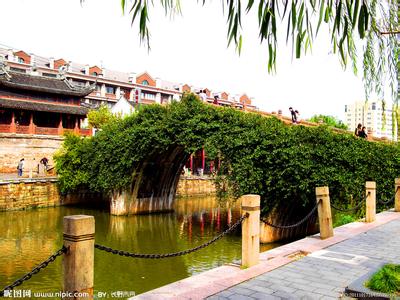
(29, 237)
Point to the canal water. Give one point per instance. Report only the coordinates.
(29, 237)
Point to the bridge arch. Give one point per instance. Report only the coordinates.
(138, 159)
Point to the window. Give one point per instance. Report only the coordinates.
(345, 108)
(145, 82)
(21, 60)
(373, 106)
(110, 90)
(49, 75)
(98, 87)
(94, 74)
(79, 83)
(148, 96)
(17, 70)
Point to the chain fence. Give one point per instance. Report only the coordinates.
(35, 270)
(358, 205)
(174, 254)
(384, 202)
(308, 216)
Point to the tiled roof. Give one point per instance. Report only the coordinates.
(42, 84)
(42, 106)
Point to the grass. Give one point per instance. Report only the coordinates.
(386, 280)
(341, 219)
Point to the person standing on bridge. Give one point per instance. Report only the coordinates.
(363, 133)
(293, 115)
(358, 130)
(203, 95)
(20, 166)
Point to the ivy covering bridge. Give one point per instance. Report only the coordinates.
(140, 158)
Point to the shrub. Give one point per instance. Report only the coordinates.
(341, 219)
(386, 280)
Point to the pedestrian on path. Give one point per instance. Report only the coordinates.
(20, 167)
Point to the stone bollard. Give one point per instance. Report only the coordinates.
(79, 259)
(370, 205)
(251, 230)
(397, 195)
(324, 212)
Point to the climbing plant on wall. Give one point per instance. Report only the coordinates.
(259, 155)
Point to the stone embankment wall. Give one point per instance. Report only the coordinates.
(27, 193)
(32, 148)
(24, 193)
(195, 186)
(43, 192)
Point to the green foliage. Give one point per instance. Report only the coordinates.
(259, 155)
(328, 120)
(100, 117)
(341, 219)
(386, 280)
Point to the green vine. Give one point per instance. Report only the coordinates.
(258, 155)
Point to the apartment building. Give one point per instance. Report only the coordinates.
(110, 86)
(374, 115)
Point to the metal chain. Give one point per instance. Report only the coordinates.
(166, 255)
(295, 224)
(387, 201)
(353, 208)
(390, 200)
(34, 271)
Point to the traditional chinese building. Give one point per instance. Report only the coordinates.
(42, 97)
(34, 104)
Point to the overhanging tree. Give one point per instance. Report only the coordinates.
(370, 24)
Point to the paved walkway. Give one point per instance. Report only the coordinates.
(329, 266)
(325, 273)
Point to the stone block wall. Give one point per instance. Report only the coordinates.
(23, 194)
(195, 186)
(44, 192)
(32, 148)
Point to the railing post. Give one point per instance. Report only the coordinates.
(251, 230)
(79, 259)
(397, 195)
(370, 208)
(324, 212)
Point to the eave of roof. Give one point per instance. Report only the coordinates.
(42, 106)
(42, 84)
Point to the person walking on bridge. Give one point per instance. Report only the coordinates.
(293, 115)
(358, 130)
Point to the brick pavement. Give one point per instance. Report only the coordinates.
(331, 264)
(324, 273)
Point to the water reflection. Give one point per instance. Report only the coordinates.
(29, 237)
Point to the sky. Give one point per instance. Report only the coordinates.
(191, 48)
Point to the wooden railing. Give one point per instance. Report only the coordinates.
(5, 128)
(46, 130)
(22, 129)
(86, 132)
